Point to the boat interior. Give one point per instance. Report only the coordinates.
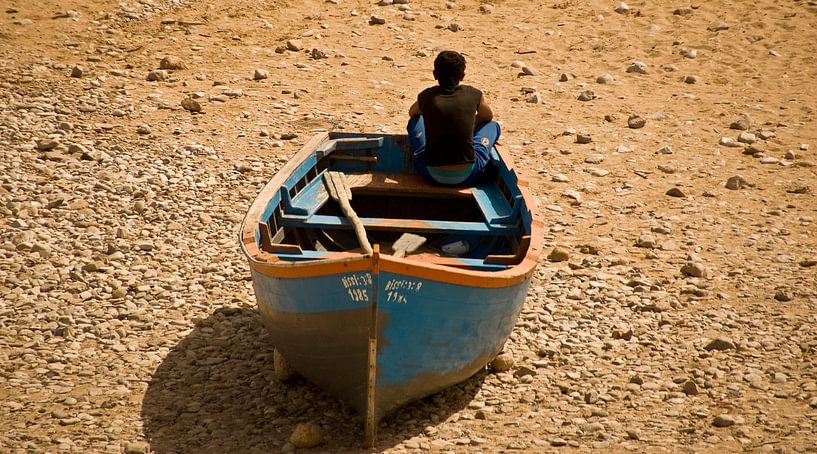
(485, 227)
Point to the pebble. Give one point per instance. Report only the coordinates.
(260, 74)
(558, 254)
(693, 269)
(486, 8)
(377, 20)
(604, 79)
(306, 435)
(782, 296)
(689, 53)
(583, 138)
(691, 79)
(675, 192)
(157, 75)
(622, 8)
(637, 67)
(690, 388)
(646, 241)
(765, 134)
(742, 123)
(747, 137)
(172, 63)
(718, 26)
(729, 142)
(191, 104)
(136, 448)
(503, 362)
(47, 144)
(143, 129)
(719, 344)
(595, 158)
(560, 178)
(636, 122)
(736, 182)
(586, 95)
(723, 421)
(77, 71)
(664, 150)
(294, 45)
(528, 70)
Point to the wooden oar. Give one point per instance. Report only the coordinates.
(338, 189)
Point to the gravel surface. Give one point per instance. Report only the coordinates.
(675, 309)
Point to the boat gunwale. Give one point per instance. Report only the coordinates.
(343, 262)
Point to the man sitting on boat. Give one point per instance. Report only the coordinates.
(451, 132)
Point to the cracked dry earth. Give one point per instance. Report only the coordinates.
(671, 149)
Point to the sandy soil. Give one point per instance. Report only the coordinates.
(127, 322)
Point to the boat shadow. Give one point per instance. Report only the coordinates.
(215, 391)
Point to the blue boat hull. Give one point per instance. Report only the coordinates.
(380, 329)
(429, 334)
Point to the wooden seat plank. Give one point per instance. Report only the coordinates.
(400, 182)
(401, 225)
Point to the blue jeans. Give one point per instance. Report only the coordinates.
(485, 136)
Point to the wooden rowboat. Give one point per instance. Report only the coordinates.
(430, 303)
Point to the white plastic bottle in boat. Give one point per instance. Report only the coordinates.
(456, 248)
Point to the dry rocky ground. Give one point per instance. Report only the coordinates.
(671, 148)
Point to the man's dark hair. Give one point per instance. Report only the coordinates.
(449, 68)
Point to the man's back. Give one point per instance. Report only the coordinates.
(449, 115)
